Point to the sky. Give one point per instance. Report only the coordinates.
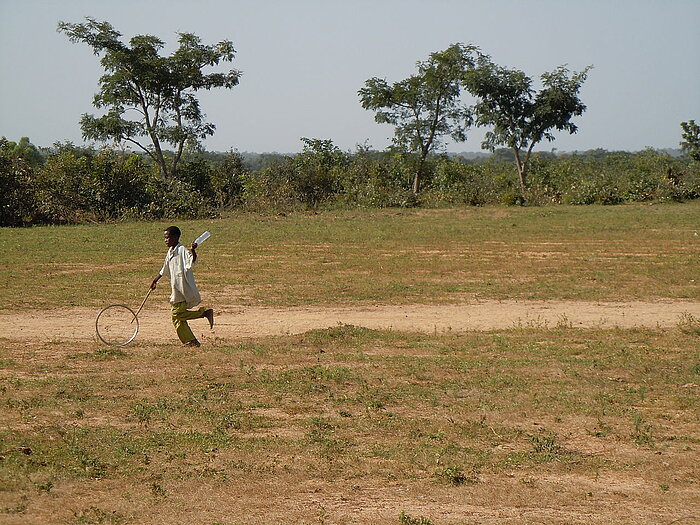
(304, 61)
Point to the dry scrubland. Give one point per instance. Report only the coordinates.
(536, 423)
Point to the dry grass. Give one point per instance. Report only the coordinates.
(378, 256)
(350, 425)
(534, 424)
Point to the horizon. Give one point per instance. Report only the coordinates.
(483, 153)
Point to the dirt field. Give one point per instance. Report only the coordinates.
(304, 495)
(233, 321)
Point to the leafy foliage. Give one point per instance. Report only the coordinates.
(23, 149)
(425, 106)
(77, 184)
(17, 198)
(691, 139)
(160, 90)
(303, 181)
(519, 116)
(227, 178)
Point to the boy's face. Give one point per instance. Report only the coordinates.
(170, 241)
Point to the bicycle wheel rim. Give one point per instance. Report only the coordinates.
(117, 325)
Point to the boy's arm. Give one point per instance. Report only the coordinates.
(194, 252)
(153, 284)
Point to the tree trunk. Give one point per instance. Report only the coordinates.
(163, 170)
(425, 149)
(418, 177)
(523, 165)
(150, 123)
(416, 183)
(522, 172)
(181, 142)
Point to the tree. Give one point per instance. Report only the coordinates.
(17, 198)
(24, 149)
(159, 90)
(519, 116)
(691, 139)
(317, 170)
(424, 107)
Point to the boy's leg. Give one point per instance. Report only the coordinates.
(180, 316)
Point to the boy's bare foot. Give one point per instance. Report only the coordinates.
(194, 342)
(209, 314)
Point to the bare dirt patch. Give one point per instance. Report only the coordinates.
(273, 431)
(234, 321)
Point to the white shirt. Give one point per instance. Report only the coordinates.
(178, 268)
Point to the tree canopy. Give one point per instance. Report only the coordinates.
(150, 100)
(424, 107)
(520, 117)
(691, 139)
(24, 149)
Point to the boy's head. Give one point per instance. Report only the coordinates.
(171, 236)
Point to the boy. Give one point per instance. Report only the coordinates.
(178, 268)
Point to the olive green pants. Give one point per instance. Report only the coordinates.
(180, 316)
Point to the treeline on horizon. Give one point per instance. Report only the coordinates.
(69, 184)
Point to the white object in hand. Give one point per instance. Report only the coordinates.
(199, 240)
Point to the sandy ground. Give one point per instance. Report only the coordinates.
(517, 497)
(241, 322)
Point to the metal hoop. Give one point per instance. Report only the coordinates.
(134, 320)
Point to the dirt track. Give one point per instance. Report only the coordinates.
(236, 322)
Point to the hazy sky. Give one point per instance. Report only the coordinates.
(303, 62)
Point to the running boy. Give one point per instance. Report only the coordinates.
(178, 268)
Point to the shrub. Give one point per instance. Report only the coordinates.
(77, 184)
(303, 181)
(271, 189)
(17, 198)
(195, 173)
(73, 184)
(227, 179)
(375, 180)
(456, 182)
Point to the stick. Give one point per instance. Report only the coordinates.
(144, 302)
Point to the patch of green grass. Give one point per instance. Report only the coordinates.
(689, 323)
(373, 256)
(643, 433)
(407, 519)
(547, 446)
(442, 410)
(96, 516)
(456, 476)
